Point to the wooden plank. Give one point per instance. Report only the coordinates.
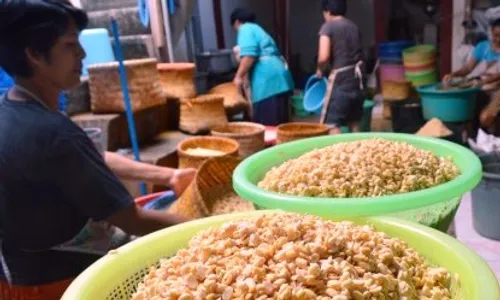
(219, 24)
(445, 36)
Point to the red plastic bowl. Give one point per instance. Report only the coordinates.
(144, 200)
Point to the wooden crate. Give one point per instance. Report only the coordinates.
(149, 123)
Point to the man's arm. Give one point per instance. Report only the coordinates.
(137, 221)
(324, 53)
(128, 169)
(246, 64)
(93, 189)
(466, 69)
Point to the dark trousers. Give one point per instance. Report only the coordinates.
(272, 111)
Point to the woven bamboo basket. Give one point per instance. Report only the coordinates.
(296, 131)
(177, 79)
(186, 160)
(143, 83)
(234, 102)
(212, 184)
(199, 115)
(250, 136)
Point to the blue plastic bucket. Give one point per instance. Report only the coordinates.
(97, 46)
(448, 105)
(392, 52)
(314, 97)
(5, 80)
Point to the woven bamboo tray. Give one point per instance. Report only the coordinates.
(199, 115)
(250, 136)
(177, 79)
(229, 146)
(296, 131)
(213, 183)
(143, 82)
(234, 102)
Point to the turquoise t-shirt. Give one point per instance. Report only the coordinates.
(484, 52)
(269, 75)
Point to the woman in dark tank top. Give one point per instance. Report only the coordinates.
(340, 47)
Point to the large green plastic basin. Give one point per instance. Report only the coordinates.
(254, 168)
(116, 276)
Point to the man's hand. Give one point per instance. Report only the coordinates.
(447, 78)
(181, 179)
(319, 74)
(238, 81)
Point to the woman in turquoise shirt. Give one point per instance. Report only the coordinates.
(271, 83)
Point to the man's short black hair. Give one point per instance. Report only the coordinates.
(495, 23)
(243, 15)
(334, 7)
(33, 24)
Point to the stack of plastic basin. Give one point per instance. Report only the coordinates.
(5, 81)
(391, 70)
(314, 94)
(97, 46)
(420, 65)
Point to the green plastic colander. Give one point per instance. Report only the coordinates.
(434, 207)
(116, 276)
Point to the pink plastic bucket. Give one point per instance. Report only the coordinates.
(392, 72)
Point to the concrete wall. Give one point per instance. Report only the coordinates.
(305, 21)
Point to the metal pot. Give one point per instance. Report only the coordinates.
(216, 62)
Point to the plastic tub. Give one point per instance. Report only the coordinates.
(97, 46)
(315, 91)
(406, 116)
(5, 80)
(423, 79)
(392, 72)
(157, 201)
(117, 275)
(253, 169)
(448, 105)
(419, 54)
(486, 203)
(366, 121)
(393, 49)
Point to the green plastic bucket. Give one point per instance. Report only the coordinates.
(408, 205)
(116, 275)
(366, 121)
(298, 102)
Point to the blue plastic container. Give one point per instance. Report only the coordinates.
(448, 105)
(314, 97)
(5, 80)
(393, 51)
(97, 45)
(2, 91)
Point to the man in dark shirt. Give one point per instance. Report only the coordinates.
(53, 181)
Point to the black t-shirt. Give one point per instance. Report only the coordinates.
(52, 181)
(347, 48)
